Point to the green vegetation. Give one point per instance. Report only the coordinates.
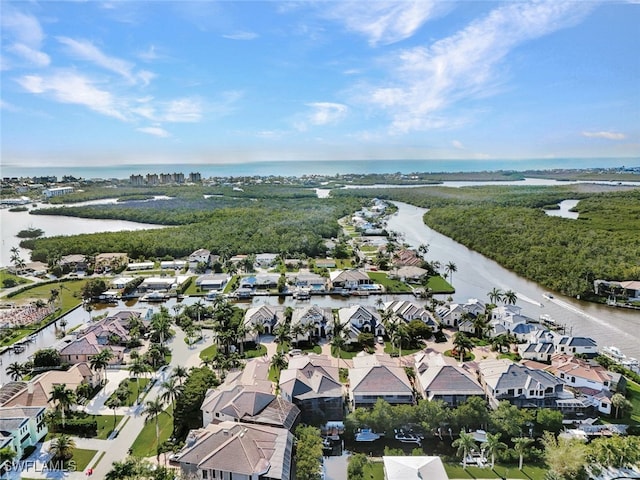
(8, 280)
(145, 443)
(455, 470)
(390, 285)
(507, 224)
(187, 413)
(289, 222)
(209, 353)
(82, 457)
(105, 425)
(67, 295)
(438, 284)
(133, 388)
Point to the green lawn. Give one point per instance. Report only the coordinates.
(374, 471)
(389, 348)
(390, 285)
(70, 293)
(260, 351)
(439, 285)
(106, 425)
(134, 390)
(455, 471)
(209, 352)
(633, 395)
(5, 275)
(145, 445)
(82, 457)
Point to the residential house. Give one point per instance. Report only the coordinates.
(410, 311)
(25, 426)
(158, 284)
(540, 352)
(413, 468)
(84, 348)
(360, 319)
(409, 274)
(109, 331)
(504, 319)
(136, 266)
(475, 307)
(105, 262)
(315, 321)
(75, 262)
(406, 257)
(576, 345)
(518, 384)
(349, 279)
(440, 378)
(450, 314)
(325, 262)
(266, 260)
(213, 281)
(376, 377)
(268, 316)
(201, 255)
(317, 283)
(313, 385)
(231, 450)
(576, 372)
(23, 394)
(120, 282)
(173, 264)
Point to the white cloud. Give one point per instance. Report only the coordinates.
(23, 37)
(33, 56)
(384, 22)
(428, 80)
(155, 131)
(457, 144)
(70, 87)
(183, 110)
(606, 135)
(86, 50)
(325, 113)
(241, 36)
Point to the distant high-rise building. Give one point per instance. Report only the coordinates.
(195, 177)
(152, 179)
(166, 178)
(136, 180)
(178, 177)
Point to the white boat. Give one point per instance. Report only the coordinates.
(547, 295)
(366, 435)
(408, 437)
(615, 354)
(546, 319)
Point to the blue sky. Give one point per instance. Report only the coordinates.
(85, 83)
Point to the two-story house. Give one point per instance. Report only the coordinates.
(376, 377)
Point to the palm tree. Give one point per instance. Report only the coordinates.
(199, 306)
(480, 325)
(171, 391)
(495, 295)
(500, 342)
(465, 443)
(101, 361)
(510, 297)
(138, 368)
(180, 373)
(493, 446)
(63, 397)
(160, 327)
(113, 402)
(152, 411)
(62, 447)
(15, 370)
(450, 268)
(279, 362)
(463, 344)
(379, 303)
(521, 445)
(423, 249)
(283, 335)
(618, 400)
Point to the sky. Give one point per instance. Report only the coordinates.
(95, 83)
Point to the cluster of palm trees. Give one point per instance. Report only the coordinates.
(466, 444)
(508, 297)
(18, 262)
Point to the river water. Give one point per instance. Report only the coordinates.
(476, 275)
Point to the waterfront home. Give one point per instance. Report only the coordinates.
(325, 262)
(539, 352)
(74, 262)
(522, 386)
(266, 260)
(173, 264)
(450, 314)
(166, 284)
(313, 385)
(504, 319)
(22, 427)
(353, 279)
(317, 283)
(235, 450)
(475, 307)
(576, 372)
(376, 377)
(269, 316)
(576, 345)
(84, 348)
(359, 319)
(406, 257)
(440, 378)
(410, 311)
(409, 274)
(313, 320)
(213, 281)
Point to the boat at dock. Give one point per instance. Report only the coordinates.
(408, 437)
(615, 354)
(366, 435)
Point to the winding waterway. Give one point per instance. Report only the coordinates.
(476, 275)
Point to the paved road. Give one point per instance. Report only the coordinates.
(132, 423)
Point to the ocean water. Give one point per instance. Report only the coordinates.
(304, 167)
